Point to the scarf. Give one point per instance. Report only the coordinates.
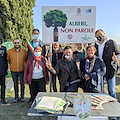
(90, 64)
(37, 60)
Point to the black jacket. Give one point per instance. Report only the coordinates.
(56, 56)
(3, 60)
(80, 55)
(109, 48)
(43, 49)
(62, 68)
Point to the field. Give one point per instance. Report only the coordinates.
(18, 111)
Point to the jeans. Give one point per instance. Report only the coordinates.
(111, 86)
(15, 76)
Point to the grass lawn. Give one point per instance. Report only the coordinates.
(18, 111)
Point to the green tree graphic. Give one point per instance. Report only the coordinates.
(55, 18)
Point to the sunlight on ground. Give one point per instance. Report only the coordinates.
(10, 93)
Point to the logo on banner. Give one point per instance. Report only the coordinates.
(88, 10)
(70, 10)
(69, 36)
(82, 106)
(78, 11)
(85, 38)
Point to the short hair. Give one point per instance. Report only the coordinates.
(38, 48)
(35, 30)
(67, 47)
(99, 30)
(79, 43)
(91, 46)
(16, 39)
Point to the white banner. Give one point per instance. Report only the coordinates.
(68, 24)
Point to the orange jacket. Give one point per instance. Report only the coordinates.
(17, 60)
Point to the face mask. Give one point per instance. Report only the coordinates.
(37, 54)
(68, 56)
(100, 38)
(36, 37)
(80, 50)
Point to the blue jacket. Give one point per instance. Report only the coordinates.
(95, 82)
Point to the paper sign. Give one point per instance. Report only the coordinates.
(68, 24)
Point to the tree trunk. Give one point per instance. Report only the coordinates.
(55, 34)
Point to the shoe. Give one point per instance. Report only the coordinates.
(29, 101)
(15, 100)
(22, 99)
(3, 101)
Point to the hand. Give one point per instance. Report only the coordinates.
(114, 57)
(86, 76)
(26, 84)
(47, 83)
(48, 64)
(49, 54)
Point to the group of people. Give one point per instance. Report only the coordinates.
(82, 68)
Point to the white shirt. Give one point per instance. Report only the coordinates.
(37, 73)
(101, 48)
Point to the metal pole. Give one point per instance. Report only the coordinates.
(50, 49)
(85, 49)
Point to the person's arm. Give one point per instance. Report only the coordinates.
(52, 70)
(49, 66)
(28, 50)
(102, 69)
(26, 54)
(116, 50)
(82, 68)
(8, 56)
(26, 72)
(44, 50)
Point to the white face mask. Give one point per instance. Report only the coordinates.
(68, 56)
(80, 50)
(37, 54)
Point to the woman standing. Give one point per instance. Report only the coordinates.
(93, 69)
(36, 73)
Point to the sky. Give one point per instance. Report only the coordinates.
(107, 14)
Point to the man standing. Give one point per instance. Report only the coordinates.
(17, 57)
(80, 52)
(32, 44)
(3, 71)
(108, 50)
(69, 69)
(57, 53)
(35, 42)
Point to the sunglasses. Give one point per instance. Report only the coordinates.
(16, 42)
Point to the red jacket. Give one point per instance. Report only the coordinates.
(29, 70)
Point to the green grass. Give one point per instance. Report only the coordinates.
(18, 111)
